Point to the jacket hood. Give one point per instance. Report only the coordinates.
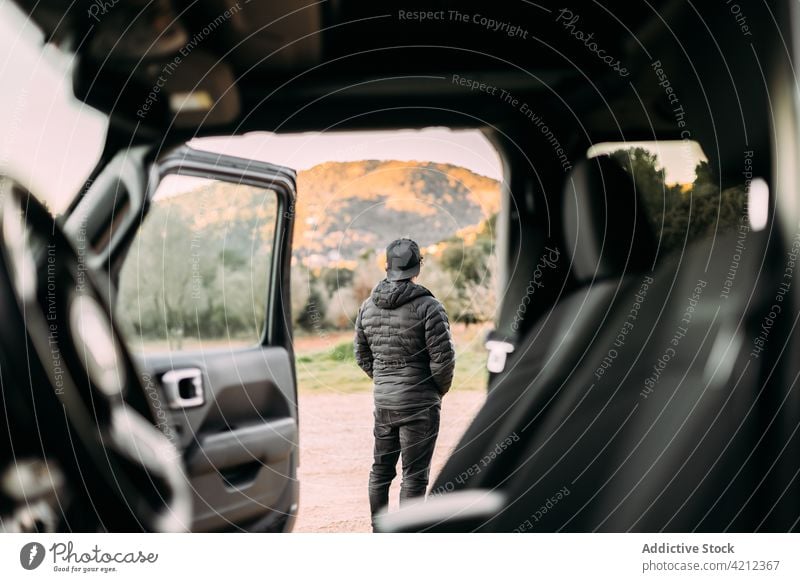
(392, 294)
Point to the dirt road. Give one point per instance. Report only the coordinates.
(336, 456)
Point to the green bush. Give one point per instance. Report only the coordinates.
(342, 352)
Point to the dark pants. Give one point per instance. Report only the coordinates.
(412, 435)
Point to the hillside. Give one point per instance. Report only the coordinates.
(199, 247)
(347, 208)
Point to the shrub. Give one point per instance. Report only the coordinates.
(342, 309)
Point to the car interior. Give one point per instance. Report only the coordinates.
(645, 379)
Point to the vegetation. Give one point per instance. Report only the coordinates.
(191, 277)
(347, 209)
(198, 269)
(333, 368)
(681, 213)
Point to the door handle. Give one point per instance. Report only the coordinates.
(184, 388)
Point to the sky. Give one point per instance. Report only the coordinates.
(678, 158)
(469, 149)
(465, 148)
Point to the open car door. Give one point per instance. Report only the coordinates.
(202, 295)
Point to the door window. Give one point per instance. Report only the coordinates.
(198, 271)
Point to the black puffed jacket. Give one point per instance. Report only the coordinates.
(403, 343)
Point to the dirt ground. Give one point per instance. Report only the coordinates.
(336, 456)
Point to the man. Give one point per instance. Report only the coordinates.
(403, 343)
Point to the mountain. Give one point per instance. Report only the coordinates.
(345, 209)
(200, 261)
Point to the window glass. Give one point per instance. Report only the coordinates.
(680, 194)
(197, 273)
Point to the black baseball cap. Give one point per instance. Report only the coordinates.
(402, 259)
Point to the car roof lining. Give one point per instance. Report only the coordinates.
(371, 69)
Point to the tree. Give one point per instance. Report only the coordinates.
(301, 288)
(482, 295)
(366, 276)
(342, 309)
(677, 214)
(466, 263)
(312, 316)
(336, 278)
(155, 281)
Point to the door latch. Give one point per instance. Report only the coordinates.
(184, 388)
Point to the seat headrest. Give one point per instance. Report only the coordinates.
(607, 234)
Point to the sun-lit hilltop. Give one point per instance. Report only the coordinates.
(347, 208)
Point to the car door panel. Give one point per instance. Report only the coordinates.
(232, 410)
(239, 444)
